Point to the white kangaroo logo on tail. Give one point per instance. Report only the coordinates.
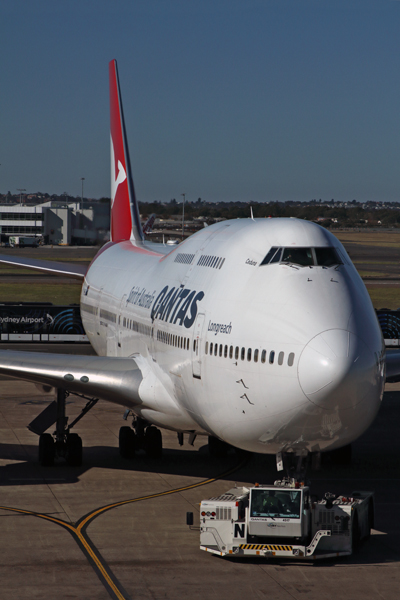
(120, 177)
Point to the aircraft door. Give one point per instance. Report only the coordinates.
(197, 348)
(120, 328)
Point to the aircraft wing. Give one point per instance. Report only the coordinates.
(47, 266)
(392, 366)
(114, 379)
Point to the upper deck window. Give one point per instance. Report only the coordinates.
(304, 257)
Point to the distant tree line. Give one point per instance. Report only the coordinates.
(326, 214)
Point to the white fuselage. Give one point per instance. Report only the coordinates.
(266, 357)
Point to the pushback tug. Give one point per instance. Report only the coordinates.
(284, 521)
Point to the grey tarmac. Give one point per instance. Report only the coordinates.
(145, 547)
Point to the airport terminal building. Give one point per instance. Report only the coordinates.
(56, 222)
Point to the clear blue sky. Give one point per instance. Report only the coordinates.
(224, 99)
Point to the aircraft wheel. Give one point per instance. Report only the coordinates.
(74, 450)
(47, 450)
(153, 442)
(127, 442)
(216, 447)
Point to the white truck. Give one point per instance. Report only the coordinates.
(283, 520)
(23, 241)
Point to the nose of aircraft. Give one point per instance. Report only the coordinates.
(337, 370)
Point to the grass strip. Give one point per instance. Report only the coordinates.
(43, 292)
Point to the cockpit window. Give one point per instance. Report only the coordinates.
(326, 257)
(298, 256)
(304, 257)
(271, 254)
(277, 256)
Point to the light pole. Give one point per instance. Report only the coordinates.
(20, 190)
(82, 179)
(80, 225)
(183, 215)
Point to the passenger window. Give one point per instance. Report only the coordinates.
(236, 352)
(243, 351)
(225, 351)
(215, 349)
(271, 357)
(231, 352)
(256, 355)
(249, 354)
(290, 360)
(211, 348)
(280, 358)
(220, 349)
(263, 356)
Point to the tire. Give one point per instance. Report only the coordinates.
(127, 442)
(47, 450)
(153, 442)
(217, 448)
(74, 450)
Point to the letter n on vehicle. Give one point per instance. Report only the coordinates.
(239, 530)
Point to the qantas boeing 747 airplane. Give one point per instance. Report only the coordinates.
(258, 333)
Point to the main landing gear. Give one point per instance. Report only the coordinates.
(62, 443)
(142, 437)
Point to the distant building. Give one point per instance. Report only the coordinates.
(56, 222)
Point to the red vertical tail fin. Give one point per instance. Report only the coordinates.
(125, 218)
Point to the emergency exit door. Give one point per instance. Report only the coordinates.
(197, 346)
